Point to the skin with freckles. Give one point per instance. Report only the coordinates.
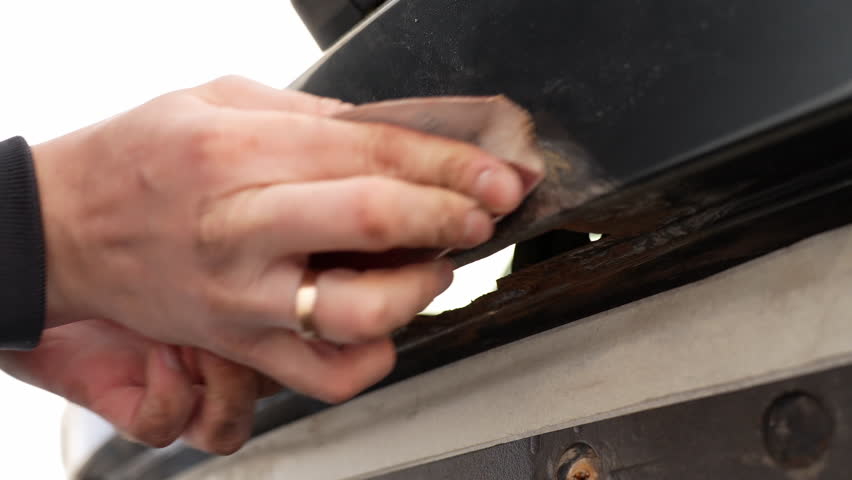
(191, 221)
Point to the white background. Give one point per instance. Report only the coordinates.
(66, 64)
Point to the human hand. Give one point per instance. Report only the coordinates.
(191, 220)
(151, 392)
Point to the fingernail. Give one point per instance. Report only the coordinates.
(528, 177)
(483, 181)
(500, 189)
(169, 355)
(447, 271)
(477, 228)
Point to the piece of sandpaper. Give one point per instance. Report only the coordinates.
(557, 174)
(495, 124)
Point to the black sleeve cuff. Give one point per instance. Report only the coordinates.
(22, 254)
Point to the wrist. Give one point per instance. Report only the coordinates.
(54, 163)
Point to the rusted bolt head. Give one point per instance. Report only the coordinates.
(582, 469)
(579, 462)
(797, 430)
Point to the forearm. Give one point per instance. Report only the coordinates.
(22, 253)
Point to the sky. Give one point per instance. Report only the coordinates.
(67, 64)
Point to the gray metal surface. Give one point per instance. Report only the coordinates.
(777, 317)
(794, 429)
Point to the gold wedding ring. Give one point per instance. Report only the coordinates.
(306, 301)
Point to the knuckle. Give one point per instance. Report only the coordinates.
(204, 138)
(347, 383)
(228, 81)
(450, 232)
(218, 247)
(227, 416)
(156, 430)
(224, 86)
(451, 225)
(227, 447)
(330, 106)
(351, 378)
(227, 435)
(371, 318)
(380, 148)
(341, 389)
(372, 213)
(213, 219)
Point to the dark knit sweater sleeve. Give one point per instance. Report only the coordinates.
(22, 254)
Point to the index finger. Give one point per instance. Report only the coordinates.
(292, 147)
(241, 93)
